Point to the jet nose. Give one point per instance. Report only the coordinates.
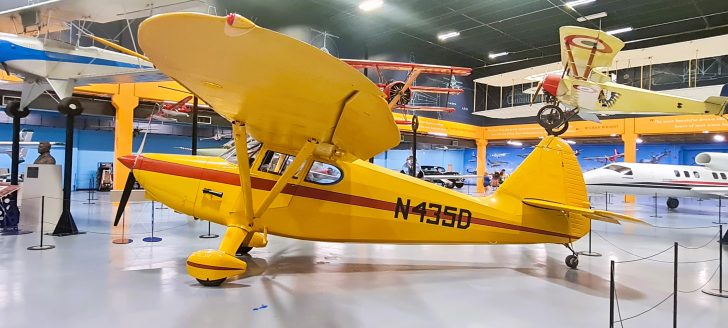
(128, 160)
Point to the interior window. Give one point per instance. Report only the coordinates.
(325, 174)
(715, 175)
(275, 162)
(687, 175)
(677, 173)
(696, 174)
(620, 169)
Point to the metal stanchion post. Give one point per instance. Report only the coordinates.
(611, 295)
(720, 204)
(655, 216)
(674, 291)
(209, 234)
(152, 239)
(42, 217)
(606, 201)
(720, 292)
(123, 240)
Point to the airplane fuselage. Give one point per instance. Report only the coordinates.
(651, 179)
(367, 204)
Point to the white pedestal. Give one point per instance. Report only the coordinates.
(42, 180)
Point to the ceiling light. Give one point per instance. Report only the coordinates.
(370, 5)
(591, 17)
(706, 131)
(498, 54)
(514, 143)
(613, 135)
(572, 4)
(447, 35)
(439, 134)
(619, 30)
(718, 138)
(639, 140)
(571, 142)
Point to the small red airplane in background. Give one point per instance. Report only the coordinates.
(169, 111)
(399, 93)
(606, 159)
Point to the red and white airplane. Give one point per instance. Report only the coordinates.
(606, 158)
(709, 179)
(169, 111)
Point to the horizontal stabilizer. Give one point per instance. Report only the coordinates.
(717, 105)
(599, 215)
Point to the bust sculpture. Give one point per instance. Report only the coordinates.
(44, 149)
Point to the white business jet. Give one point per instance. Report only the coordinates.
(708, 180)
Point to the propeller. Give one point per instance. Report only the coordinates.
(535, 94)
(130, 161)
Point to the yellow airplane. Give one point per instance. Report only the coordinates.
(317, 118)
(585, 91)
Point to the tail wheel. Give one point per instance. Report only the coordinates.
(392, 89)
(550, 117)
(572, 261)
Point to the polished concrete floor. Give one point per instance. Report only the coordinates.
(87, 281)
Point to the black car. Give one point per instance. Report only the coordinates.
(439, 170)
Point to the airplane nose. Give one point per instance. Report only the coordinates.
(128, 160)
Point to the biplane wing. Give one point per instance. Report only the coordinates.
(284, 90)
(397, 66)
(583, 49)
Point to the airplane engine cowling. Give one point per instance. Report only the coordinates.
(713, 161)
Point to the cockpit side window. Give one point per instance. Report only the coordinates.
(619, 169)
(677, 173)
(324, 174)
(275, 162)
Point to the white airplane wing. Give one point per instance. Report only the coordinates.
(510, 112)
(443, 176)
(715, 191)
(137, 76)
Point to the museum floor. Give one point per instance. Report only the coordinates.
(87, 281)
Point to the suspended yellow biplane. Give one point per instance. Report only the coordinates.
(584, 90)
(317, 118)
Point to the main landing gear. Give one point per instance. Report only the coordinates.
(554, 120)
(672, 203)
(572, 261)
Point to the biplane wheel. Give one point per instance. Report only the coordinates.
(572, 261)
(392, 89)
(243, 250)
(561, 130)
(13, 110)
(211, 283)
(70, 106)
(550, 117)
(449, 185)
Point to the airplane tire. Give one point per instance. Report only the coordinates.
(211, 283)
(550, 117)
(459, 185)
(13, 110)
(572, 261)
(243, 250)
(564, 128)
(70, 106)
(449, 185)
(672, 203)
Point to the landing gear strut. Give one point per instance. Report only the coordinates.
(572, 261)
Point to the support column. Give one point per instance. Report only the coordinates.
(125, 101)
(481, 143)
(629, 137)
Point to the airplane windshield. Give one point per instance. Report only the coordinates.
(619, 169)
(253, 148)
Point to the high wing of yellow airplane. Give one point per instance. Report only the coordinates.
(584, 90)
(309, 181)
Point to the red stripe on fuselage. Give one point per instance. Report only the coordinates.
(158, 166)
